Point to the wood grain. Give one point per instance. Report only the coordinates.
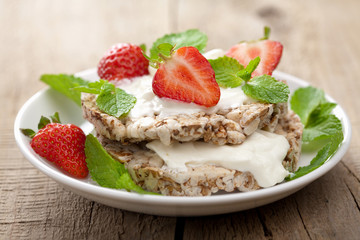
(320, 45)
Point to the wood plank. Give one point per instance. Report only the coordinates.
(330, 202)
(51, 37)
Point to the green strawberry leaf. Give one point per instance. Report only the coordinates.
(65, 84)
(43, 122)
(28, 132)
(267, 31)
(55, 118)
(143, 47)
(266, 89)
(105, 170)
(165, 49)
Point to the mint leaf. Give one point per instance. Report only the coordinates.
(105, 170)
(125, 182)
(246, 73)
(111, 100)
(305, 100)
(325, 153)
(322, 128)
(115, 102)
(93, 87)
(226, 69)
(266, 89)
(322, 110)
(102, 167)
(64, 84)
(192, 37)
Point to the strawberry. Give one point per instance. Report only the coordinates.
(187, 76)
(269, 52)
(123, 61)
(62, 144)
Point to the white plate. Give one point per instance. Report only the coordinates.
(47, 101)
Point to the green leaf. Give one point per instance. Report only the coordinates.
(322, 110)
(192, 37)
(125, 182)
(55, 118)
(105, 170)
(143, 47)
(267, 31)
(28, 132)
(43, 122)
(93, 87)
(245, 74)
(226, 69)
(65, 84)
(250, 68)
(165, 49)
(305, 100)
(102, 167)
(322, 128)
(117, 103)
(325, 153)
(267, 89)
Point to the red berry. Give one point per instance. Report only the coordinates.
(187, 76)
(269, 52)
(123, 61)
(64, 145)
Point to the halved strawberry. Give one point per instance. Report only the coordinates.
(269, 52)
(187, 76)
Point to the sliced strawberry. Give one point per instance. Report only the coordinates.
(123, 61)
(269, 52)
(187, 76)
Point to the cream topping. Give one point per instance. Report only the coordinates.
(148, 104)
(261, 154)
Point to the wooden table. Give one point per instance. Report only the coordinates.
(321, 45)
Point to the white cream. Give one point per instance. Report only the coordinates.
(215, 53)
(261, 154)
(148, 104)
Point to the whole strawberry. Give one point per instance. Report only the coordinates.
(123, 61)
(62, 144)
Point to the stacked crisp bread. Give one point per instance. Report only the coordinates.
(125, 140)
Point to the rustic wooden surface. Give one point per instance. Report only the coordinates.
(321, 40)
